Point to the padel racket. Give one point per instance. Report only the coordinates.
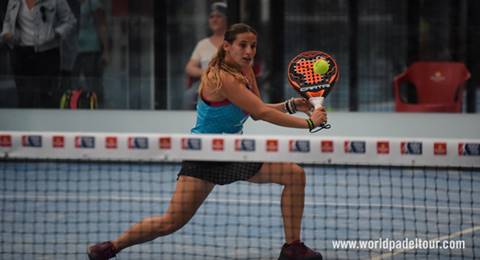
(310, 84)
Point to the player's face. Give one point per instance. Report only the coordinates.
(242, 50)
(217, 21)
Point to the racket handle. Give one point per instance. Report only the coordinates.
(317, 102)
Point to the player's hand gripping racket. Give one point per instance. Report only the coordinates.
(313, 74)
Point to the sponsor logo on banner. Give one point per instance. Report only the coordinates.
(469, 149)
(191, 143)
(85, 142)
(272, 145)
(165, 143)
(440, 148)
(58, 141)
(5, 141)
(413, 148)
(245, 145)
(217, 144)
(383, 147)
(32, 141)
(138, 143)
(111, 142)
(300, 146)
(326, 146)
(354, 147)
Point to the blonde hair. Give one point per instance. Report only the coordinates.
(212, 75)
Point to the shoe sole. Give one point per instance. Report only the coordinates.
(282, 257)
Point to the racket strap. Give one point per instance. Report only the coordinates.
(320, 127)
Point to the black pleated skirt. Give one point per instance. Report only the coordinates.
(220, 173)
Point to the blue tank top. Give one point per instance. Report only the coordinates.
(218, 118)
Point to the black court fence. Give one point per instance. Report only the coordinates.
(372, 40)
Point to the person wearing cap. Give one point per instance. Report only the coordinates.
(207, 47)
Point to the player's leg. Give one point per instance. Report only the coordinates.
(292, 177)
(189, 194)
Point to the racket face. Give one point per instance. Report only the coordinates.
(305, 81)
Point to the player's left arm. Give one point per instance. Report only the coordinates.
(237, 93)
(299, 104)
(254, 88)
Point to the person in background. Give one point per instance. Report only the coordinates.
(69, 49)
(34, 29)
(206, 49)
(93, 48)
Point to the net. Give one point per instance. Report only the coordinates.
(54, 208)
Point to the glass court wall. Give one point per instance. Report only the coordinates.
(151, 41)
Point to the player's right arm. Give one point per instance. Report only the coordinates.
(241, 96)
(301, 104)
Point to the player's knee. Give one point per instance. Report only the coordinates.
(297, 176)
(175, 223)
(165, 224)
(170, 227)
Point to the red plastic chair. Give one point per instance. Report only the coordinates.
(439, 87)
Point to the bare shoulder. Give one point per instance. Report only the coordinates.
(229, 80)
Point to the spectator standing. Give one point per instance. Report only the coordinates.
(69, 48)
(93, 47)
(33, 29)
(206, 49)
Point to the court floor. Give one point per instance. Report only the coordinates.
(53, 210)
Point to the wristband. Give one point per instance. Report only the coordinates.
(311, 124)
(287, 107)
(291, 101)
(290, 106)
